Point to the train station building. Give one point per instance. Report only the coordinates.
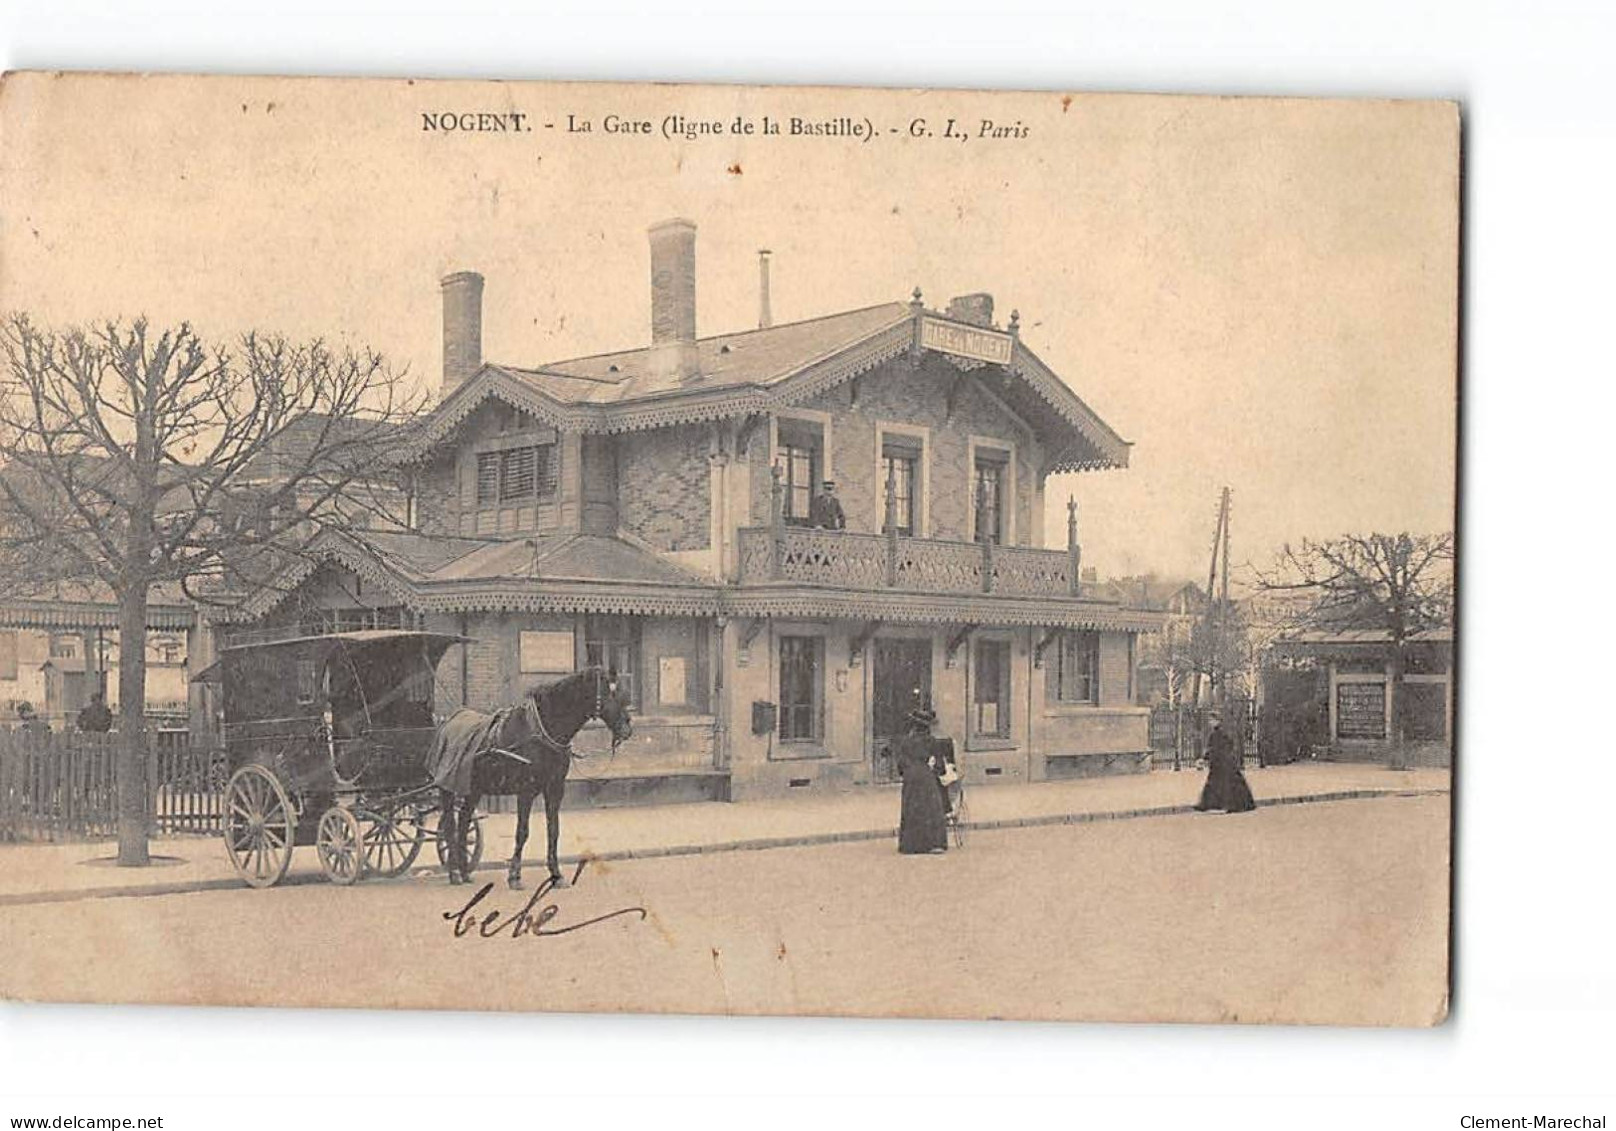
(662, 510)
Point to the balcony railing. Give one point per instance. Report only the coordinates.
(853, 560)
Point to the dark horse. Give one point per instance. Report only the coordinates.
(523, 750)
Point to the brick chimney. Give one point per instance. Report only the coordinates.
(765, 315)
(462, 329)
(977, 309)
(673, 300)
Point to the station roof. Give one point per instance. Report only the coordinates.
(760, 371)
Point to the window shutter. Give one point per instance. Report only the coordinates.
(547, 470)
(519, 476)
(487, 477)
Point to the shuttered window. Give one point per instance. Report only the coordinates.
(517, 479)
(545, 475)
(516, 474)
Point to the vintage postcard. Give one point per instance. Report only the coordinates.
(651, 548)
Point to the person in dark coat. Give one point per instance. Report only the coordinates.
(1226, 787)
(29, 722)
(921, 826)
(825, 511)
(95, 718)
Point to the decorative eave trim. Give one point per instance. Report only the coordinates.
(853, 361)
(938, 608)
(696, 406)
(1111, 450)
(88, 614)
(328, 548)
(549, 595)
(491, 381)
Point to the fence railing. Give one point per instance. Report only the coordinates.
(1180, 731)
(56, 787)
(855, 560)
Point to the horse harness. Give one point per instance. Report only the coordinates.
(536, 721)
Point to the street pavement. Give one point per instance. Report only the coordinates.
(1324, 912)
(32, 873)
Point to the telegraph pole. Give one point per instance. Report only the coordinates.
(1220, 541)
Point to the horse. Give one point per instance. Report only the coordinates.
(524, 750)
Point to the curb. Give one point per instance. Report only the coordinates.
(754, 844)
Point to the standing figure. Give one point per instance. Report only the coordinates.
(1226, 786)
(825, 511)
(921, 824)
(29, 722)
(95, 718)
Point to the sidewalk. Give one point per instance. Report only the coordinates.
(53, 872)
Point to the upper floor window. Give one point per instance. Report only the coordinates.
(989, 497)
(898, 464)
(516, 474)
(802, 464)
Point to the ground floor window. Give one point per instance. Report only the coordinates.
(802, 667)
(990, 691)
(1075, 674)
(613, 642)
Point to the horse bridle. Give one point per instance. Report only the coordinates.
(536, 717)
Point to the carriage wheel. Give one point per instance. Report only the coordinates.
(341, 846)
(474, 845)
(259, 823)
(392, 840)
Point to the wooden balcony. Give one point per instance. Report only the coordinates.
(847, 559)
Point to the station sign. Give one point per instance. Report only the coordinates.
(974, 342)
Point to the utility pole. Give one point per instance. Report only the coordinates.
(1220, 679)
(1219, 541)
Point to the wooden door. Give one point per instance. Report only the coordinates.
(901, 679)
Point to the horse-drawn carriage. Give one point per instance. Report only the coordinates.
(331, 740)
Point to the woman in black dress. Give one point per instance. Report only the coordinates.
(1226, 786)
(921, 825)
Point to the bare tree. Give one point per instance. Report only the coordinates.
(132, 456)
(1398, 585)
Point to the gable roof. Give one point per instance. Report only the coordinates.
(589, 572)
(753, 357)
(760, 371)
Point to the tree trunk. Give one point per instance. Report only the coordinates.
(1394, 707)
(133, 851)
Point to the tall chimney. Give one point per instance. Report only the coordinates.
(673, 300)
(765, 316)
(462, 328)
(976, 309)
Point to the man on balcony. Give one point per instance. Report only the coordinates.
(825, 512)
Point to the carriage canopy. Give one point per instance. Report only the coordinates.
(377, 678)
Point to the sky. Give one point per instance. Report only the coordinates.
(1259, 294)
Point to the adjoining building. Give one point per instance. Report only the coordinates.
(653, 509)
(59, 647)
(1356, 704)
